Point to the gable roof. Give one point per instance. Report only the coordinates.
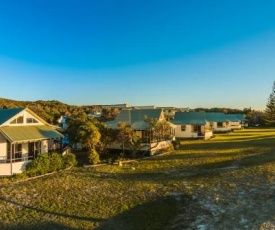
(29, 133)
(236, 117)
(217, 117)
(200, 118)
(196, 118)
(6, 114)
(135, 118)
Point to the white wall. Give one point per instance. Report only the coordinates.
(16, 167)
(185, 134)
(5, 169)
(44, 146)
(224, 128)
(3, 146)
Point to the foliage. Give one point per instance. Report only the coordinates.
(124, 135)
(82, 129)
(108, 136)
(270, 108)
(56, 162)
(40, 165)
(69, 160)
(45, 163)
(158, 130)
(254, 117)
(109, 114)
(88, 135)
(93, 157)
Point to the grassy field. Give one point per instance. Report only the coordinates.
(164, 192)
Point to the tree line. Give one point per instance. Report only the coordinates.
(51, 111)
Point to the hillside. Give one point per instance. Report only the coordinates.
(50, 111)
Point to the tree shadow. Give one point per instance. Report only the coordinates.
(161, 213)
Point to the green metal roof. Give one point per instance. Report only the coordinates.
(195, 118)
(135, 118)
(29, 133)
(217, 117)
(6, 114)
(200, 118)
(236, 117)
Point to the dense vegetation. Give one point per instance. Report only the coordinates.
(51, 111)
(223, 183)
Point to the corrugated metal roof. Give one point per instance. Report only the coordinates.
(196, 118)
(236, 117)
(29, 133)
(6, 114)
(135, 118)
(216, 117)
(200, 118)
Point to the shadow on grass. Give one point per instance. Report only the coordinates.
(230, 143)
(160, 213)
(44, 224)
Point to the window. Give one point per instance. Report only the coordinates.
(183, 128)
(18, 150)
(195, 128)
(31, 120)
(18, 120)
(219, 124)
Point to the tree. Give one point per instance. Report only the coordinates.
(108, 136)
(109, 114)
(88, 135)
(270, 107)
(82, 129)
(158, 130)
(124, 135)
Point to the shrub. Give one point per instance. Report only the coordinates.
(40, 165)
(19, 176)
(69, 160)
(93, 157)
(56, 162)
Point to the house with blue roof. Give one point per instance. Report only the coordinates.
(192, 125)
(23, 135)
(203, 125)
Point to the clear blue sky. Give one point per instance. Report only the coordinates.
(199, 53)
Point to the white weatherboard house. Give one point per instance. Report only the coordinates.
(192, 125)
(202, 125)
(23, 135)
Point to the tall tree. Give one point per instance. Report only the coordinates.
(158, 130)
(270, 107)
(124, 135)
(82, 129)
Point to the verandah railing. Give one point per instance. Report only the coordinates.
(5, 159)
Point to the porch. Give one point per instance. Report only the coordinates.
(207, 134)
(9, 167)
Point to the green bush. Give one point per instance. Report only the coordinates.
(44, 163)
(19, 176)
(69, 160)
(93, 157)
(56, 162)
(40, 165)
